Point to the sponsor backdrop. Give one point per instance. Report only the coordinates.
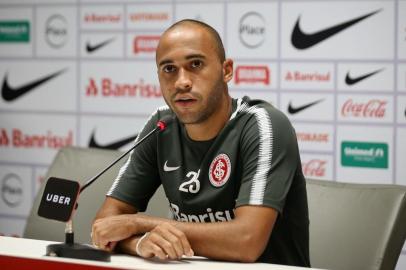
(83, 73)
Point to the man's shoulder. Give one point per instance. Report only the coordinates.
(261, 109)
(161, 112)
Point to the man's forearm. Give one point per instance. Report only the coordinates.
(229, 240)
(220, 240)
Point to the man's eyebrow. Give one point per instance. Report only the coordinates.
(197, 55)
(164, 62)
(188, 57)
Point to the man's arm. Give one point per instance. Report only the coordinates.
(241, 239)
(113, 212)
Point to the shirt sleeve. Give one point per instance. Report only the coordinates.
(138, 178)
(270, 157)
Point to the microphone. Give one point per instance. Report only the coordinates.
(59, 201)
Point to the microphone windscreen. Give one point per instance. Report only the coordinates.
(165, 121)
(59, 199)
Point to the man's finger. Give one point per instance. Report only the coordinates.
(173, 240)
(186, 248)
(160, 240)
(157, 251)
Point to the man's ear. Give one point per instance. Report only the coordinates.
(228, 70)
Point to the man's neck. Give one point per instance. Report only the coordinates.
(210, 128)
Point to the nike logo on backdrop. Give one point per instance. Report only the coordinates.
(350, 80)
(168, 168)
(91, 48)
(113, 145)
(294, 110)
(301, 40)
(10, 93)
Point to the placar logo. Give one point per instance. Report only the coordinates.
(193, 183)
(364, 154)
(252, 30)
(12, 190)
(56, 31)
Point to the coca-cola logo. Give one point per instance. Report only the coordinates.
(374, 108)
(314, 168)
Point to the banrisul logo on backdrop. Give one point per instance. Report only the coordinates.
(364, 154)
(14, 31)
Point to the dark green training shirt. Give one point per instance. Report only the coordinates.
(254, 160)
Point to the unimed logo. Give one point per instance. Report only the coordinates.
(14, 31)
(364, 154)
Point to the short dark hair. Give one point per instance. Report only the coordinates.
(219, 44)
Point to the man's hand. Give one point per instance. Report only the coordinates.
(165, 241)
(106, 232)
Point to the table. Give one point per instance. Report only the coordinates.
(18, 252)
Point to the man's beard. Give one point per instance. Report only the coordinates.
(212, 104)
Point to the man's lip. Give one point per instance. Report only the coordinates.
(185, 102)
(185, 99)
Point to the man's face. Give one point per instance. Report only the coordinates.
(191, 74)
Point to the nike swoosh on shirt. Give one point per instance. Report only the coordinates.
(10, 93)
(294, 110)
(350, 80)
(168, 168)
(112, 145)
(301, 40)
(91, 48)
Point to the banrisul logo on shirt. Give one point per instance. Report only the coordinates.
(364, 154)
(14, 31)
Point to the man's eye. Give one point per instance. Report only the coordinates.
(168, 69)
(196, 63)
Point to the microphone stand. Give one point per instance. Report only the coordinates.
(70, 249)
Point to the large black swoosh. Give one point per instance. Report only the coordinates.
(294, 110)
(351, 81)
(11, 93)
(91, 48)
(113, 145)
(301, 40)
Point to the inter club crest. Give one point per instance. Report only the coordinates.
(219, 171)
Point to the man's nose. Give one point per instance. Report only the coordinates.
(183, 81)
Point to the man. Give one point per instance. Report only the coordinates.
(230, 168)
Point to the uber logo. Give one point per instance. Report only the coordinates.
(58, 199)
(56, 31)
(12, 190)
(252, 30)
